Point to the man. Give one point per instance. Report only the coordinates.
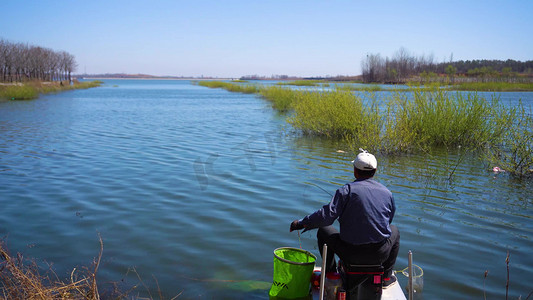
(365, 209)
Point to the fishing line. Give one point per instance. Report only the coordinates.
(316, 185)
(321, 188)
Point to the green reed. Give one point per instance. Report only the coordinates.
(512, 150)
(334, 114)
(281, 98)
(31, 90)
(232, 87)
(300, 83)
(18, 92)
(411, 120)
(493, 86)
(432, 118)
(361, 88)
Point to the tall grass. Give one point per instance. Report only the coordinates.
(232, 87)
(335, 114)
(361, 88)
(438, 118)
(282, 99)
(31, 90)
(18, 92)
(300, 83)
(513, 149)
(492, 86)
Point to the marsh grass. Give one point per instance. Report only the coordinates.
(416, 119)
(334, 114)
(282, 99)
(232, 87)
(512, 150)
(300, 83)
(493, 86)
(439, 118)
(360, 88)
(32, 90)
(18, 92)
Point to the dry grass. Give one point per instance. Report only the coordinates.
(32, 89)
(22, 279)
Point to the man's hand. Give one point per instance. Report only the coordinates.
(295, 225)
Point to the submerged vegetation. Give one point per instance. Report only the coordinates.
(410, 120)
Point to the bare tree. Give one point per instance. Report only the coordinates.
(373, 68)
(20, 62)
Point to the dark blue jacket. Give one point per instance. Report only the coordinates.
(365, 208)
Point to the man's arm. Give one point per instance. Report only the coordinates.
(328, 213)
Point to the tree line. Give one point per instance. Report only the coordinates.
(403, 66)
(21, 62)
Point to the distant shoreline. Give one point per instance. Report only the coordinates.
(152, 78)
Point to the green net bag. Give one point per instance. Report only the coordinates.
(292, 273)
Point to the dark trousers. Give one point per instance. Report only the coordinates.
(384, 253)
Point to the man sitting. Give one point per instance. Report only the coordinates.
(365, 209)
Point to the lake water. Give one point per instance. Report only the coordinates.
(193, 188)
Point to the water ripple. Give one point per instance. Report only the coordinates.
(196, 185)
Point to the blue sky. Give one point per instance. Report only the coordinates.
(234, 38)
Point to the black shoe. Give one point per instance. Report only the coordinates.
(389, 281)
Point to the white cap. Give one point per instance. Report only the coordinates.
(365, 161)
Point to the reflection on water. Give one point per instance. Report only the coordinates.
(198, 186)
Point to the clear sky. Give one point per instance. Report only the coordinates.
(232, 38)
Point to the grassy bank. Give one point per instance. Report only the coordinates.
(32, 90)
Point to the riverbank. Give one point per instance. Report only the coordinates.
(32, 90)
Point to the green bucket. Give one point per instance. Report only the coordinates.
(292, 273)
